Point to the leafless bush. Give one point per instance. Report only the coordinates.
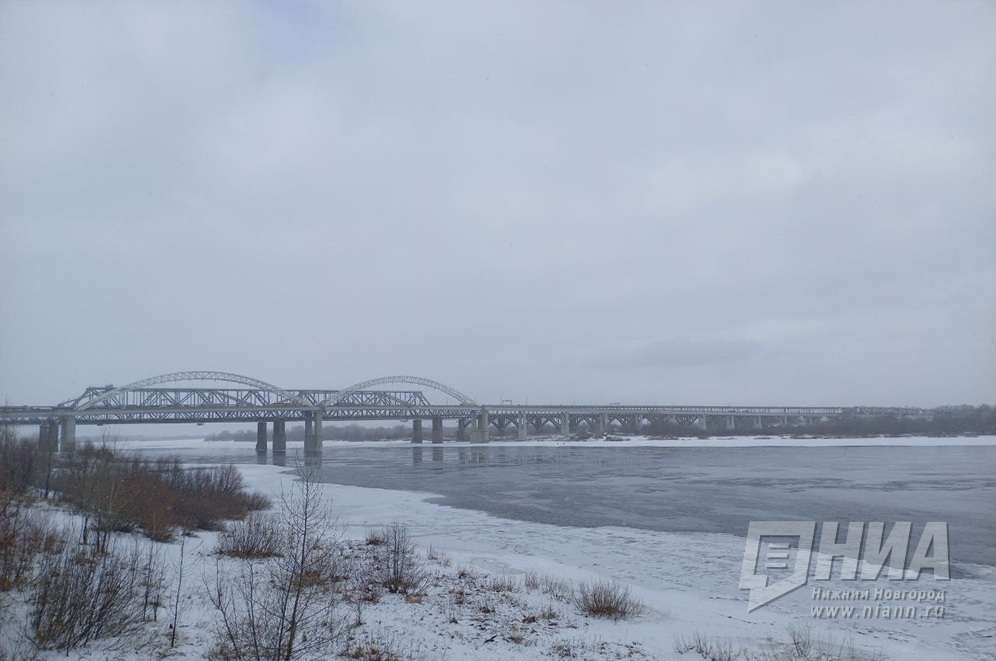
(21, 462)
(257, 502)
(23, 534)
(607, 599)
(285, 607)
(81, 595)
(118, 493)
(256, 536)
(401, 570)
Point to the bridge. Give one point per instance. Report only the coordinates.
(245, 399)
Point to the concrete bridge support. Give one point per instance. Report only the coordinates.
(731, 423)
(417, 430)
(437, 429)
(313, 433)
(43, 436)
(68, 425)
(565, 424)
(481, 434)
(48, 436)
(601, 424)
(261, 437)
(522, 427)
(279, 437)
(462, 429)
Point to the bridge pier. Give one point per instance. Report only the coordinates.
(565, 424)
(731, 423)
(437, 429)
(462, 429)
(417, 430)
(279, 437)
(522, 427)
(48, 436)
(601, 424)
(481, 434)
(313, 433)
(68, 424)
(261, 437)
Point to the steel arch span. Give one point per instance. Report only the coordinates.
(175, 377)
(412, 380)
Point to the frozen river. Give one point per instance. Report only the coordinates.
(701, 488)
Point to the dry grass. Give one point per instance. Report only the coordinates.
(607, 599)
(500, 584)
(800, 645)
(531, 580)
(557, 588)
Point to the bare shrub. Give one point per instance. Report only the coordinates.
(256, 536)
(257, 502)
(120, 493)
(81, 595)
(401, 570)
(607, 599)
(21, 462)
(285, 607)
(23, 534)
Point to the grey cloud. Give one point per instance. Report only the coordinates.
(499, 195)
(680, 352)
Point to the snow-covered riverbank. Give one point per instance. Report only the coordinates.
(688, 581)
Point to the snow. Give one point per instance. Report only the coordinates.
(688, 581)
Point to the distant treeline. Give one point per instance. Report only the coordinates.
(329, 433)
(942, 421)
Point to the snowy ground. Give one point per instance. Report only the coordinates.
(689, 582)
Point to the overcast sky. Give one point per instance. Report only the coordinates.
(661, 202)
